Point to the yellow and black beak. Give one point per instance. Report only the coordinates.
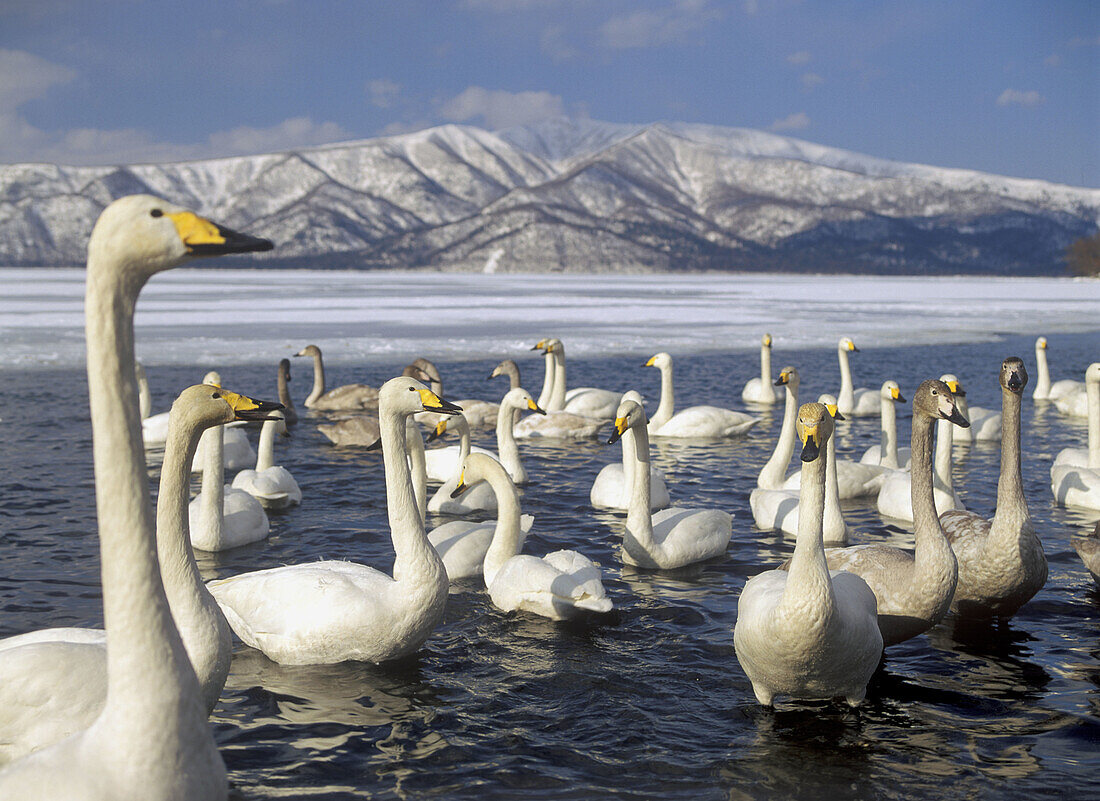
(245, 408)
(852, 347)
(811, 442)
(784, 378)
(956, 388)
(834, 411)
(895, 393)
(620, 428)
(433, 403)
(204, 238)
(767, 340)
(534, 407)
(649, 363)
(439, 430)
(539, 345)
(461, 488)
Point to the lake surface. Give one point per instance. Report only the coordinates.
(650, 702)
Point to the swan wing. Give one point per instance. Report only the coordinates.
(359, 430)
(462, 546)
(686, 536)
(592, 402)
(558, 425)
(774, 509)
(348, 396)
(557, 586)
(706, 421)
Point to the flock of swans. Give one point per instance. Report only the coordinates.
(122, 712)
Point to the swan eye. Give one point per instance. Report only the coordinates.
(215, 395)
(156, 213)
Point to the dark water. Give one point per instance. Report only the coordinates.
(652, 702)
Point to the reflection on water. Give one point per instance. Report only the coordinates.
(648, 702)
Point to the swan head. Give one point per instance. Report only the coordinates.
(505, 368)
(146, 234)
(846, 344)
(662, 361)
(814, 426)
(429, 369)
(208, 405)
(1041, 343)
(766, 340)
(541, 344)
(953, 384)
(519, 398)
(1013, 375)
(935, 399)
(406, 396)
(554, 345)
(829, 401)
(456, 423)
(629, 414)
(284, 369)
(891, 391)
(478, 467)
(788, 376)
(1092, 373)
(310, 350)
(213, 378)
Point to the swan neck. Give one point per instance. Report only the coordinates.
(888, 448)
(1042, 385)
(507, 535)
(846, 396)
(265, 451)
(149, 677)
(145, 397)
(507, 449)
(557, 395)
(833, 525)
(945, 438)
(668, 400)
(925, 518)
(318, 379)
(639, 521)
(1011, 503)
(211, 508)
(284, 395)
(767, 389)
(415, 555)
(809, 572)
(1092, 399)
(775, 470)
(547, 382)
(418, 465)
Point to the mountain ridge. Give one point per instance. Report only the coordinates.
(578, 195)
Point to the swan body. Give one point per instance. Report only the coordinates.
(672, 537)
(887, 453)
(1071, 397)
(1075, 474)
(154, 427)
(558, 425)
(614, 484)
(478, 498)
(270, 484)
(1001, 561)
(695, 421)
(559, 586)
(349, 397)
(1088, 548)
(332, 611)
(853, 402)
(360, 430)
(895, 499)
(779, 509)
(1044, 389)
(808, 632)
(282, 386)
(151, 739)
(761, 389)
(462, 544)
(221, 516)
(913, 589)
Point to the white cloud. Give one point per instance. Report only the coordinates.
(671, 24)
(288, 134)
(811, 80)
(501, 109)
(799, 58)
(792, 122)
(383, 92)
(1014, 97)
(27, 77)
(554, 44)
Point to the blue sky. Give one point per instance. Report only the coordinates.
(1003, 86)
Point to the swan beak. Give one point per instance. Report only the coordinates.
(204, 238)
(896, 395)
(1043, 344)
(534, 407)
(620, 429)
(1015, 381)
(852, 347)
(376, 445)
(834, 411)
(461, 488)
(811, 446)
(767, 340)
(957, 418)
(247, 409)
(650, 362)
(439, 430)
(434, 403)
(956, 388)
(539, 345)
(784, 378)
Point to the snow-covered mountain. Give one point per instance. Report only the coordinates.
(578, 195)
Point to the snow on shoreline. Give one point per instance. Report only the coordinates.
(232, 316)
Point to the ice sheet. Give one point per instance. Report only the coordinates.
(232, 316)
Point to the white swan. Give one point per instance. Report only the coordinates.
(346, 398)
(332, 611)
(895, 499)
(1001, 561)
(913, 589)
(694, 421)
(154, 427)
(760, 389)
(514, 400)
(808, 632)
(985, 424)
(282, 385)
(1074, 401)
(560, 585)
(1075, 474)
(555, 424)
(477, 498)
(774, 472)
(672, 537)
(585, 401)
(76, 659)
(1044, 390)
(613, 486)
(237, 452)
(510, 370)
(271, 484)
(151, 740)
(887, 453)
(222, 517)
(1088, 548)
(443, 464)
(779, 509)
(852, 402)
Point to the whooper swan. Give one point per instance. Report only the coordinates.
(613, 486)
(852, 402)
(1044, 390)
(1075, 474)
(887, 453)
(349, 397)
(695, 421)
(760, 389)
(270, 484)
